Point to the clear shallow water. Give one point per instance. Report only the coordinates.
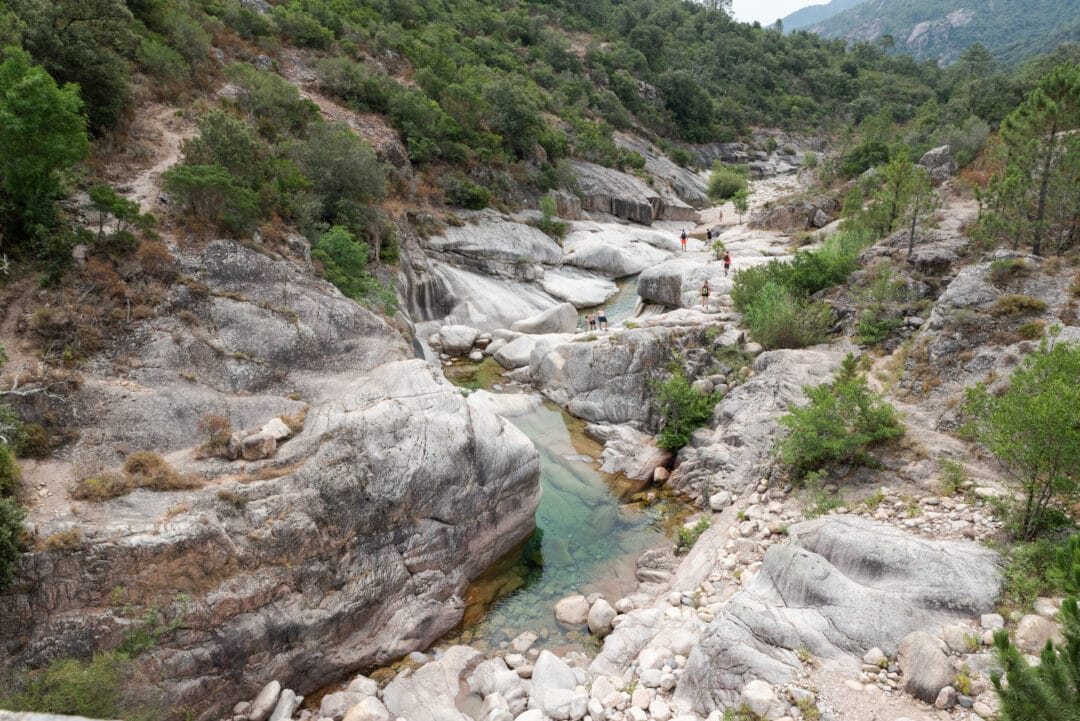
(622, 305)
(591, 530)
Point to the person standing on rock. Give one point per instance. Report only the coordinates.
(603, 320)
(727, 263)
(683, 238)
(708, 236)
(705, 291)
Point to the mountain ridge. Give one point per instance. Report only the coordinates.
(813, 14)
(942, 29)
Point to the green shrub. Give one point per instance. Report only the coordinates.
(687, 536)
(344, 172)
(862, 157)
(93, 689)
(1026, 427)
(1066, 569)
(1028, 573)
(302, 29)
(211, 195)
(226, 141)
(839, 424)
(726, 181)
(777, 319)
(682, 409)
(461, 192)
(162, 62)
(355, 84)
(1014, 305)
(10, 473)
(810, 160)
(1003, 270)
(272, 101)
(11, 518)
(344, 261)
(875, 325)
(1032, 330)
(1049, 691)
(102, 487)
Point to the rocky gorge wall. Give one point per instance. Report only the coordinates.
(347, 543)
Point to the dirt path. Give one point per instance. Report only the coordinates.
(166, 129)
(20, 353)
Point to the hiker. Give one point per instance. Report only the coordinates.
(708, 236)
(603, 320)
(683, 238)
(592, 322)
(721, 216)
(727, 263)
(705, 290)
(588, 321)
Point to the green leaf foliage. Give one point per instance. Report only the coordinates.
(11, 518)
(42, 133)
(682, 409)
(779, 319)
(1049, 691)
(1033, 428)
(212, 196)
(726, 181)
(840, 423)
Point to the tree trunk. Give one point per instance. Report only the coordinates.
(1044, 185)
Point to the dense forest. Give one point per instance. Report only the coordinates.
(488, 98)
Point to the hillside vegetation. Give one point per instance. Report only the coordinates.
(942, 29)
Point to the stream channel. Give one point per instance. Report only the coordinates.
(591, 529)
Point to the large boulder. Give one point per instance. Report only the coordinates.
(614, 192)
(450, 295)
(552, 679)
(431, 692)
(676, 182)
(628, 451)
(939, 163)
(563, 318)
(842, 585)
(616, 251)
(582, 288)
(458, 339)
(925, 666)
(495, 245)
(604, 381)
(797, 214)
(676, 283)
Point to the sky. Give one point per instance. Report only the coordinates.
(767, 11)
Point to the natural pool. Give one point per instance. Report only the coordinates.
(591, 528)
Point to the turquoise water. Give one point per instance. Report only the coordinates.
(591, 529)
(622, 305)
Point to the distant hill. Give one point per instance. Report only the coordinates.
(942, 29)
(814, 14)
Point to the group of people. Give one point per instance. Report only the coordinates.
(594, 319)
(709, 239)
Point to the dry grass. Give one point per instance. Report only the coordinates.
(143, 469)
(102, 487)
(1014, 305)
(62, 541)
(216, 430)
(294, 421)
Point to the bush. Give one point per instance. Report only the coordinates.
(216, 431)
(355, 84)
(102, 487)
(211, 195)
(272, 101)
(149, 470)
(1027, 428)
(1003, 270)
(10, 473)
(875, 326)
(1049, 691)
(93, 689)
(777, 319)
(11, 518)
(726, 181)
(863, 157)
(461, 192)
(682, 410)
(1014, 305)
(687, 536)
(344, 260)
(841, 422)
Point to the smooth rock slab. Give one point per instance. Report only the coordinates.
(572, 610)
